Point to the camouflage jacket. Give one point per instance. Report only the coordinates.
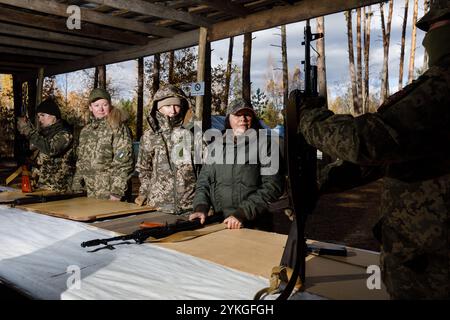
(407, 141)
(167, 176)
(55, 163)
(105, 160)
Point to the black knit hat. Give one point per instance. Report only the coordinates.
(49, 106)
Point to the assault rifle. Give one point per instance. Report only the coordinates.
(156, 232)
(41, 198)
(301, 167)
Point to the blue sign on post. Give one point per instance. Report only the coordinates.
(198, 89)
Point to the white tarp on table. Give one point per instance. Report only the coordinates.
(37, 253)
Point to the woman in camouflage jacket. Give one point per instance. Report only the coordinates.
(104, 152)
(166, 183)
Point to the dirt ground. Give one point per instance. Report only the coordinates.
(348, 217)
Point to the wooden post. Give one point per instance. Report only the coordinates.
(19, 155)
(246, 63)
(40, 85)
(32, 99)
(203, 103)
(102, 77)
(140, 99)
(226, 90)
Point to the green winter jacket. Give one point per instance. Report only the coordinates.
(239, 189)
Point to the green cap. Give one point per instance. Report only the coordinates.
(99, 93)
(439, 10)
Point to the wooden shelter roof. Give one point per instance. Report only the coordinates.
(34, 34)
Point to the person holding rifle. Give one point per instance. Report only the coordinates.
(407, 143)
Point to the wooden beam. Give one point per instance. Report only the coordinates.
(276, 16)
(37, 53)
(179, 41)
(14, 30)
(6, 57)
(280, 15)
(20, 64)
(226, 7)
(59, 25)
(47, 46)
(151, 9)
(58, 9)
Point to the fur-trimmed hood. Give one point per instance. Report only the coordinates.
(156, 120)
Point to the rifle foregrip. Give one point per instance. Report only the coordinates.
(92, 243)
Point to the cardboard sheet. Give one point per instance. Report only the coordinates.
(256, 252)
(86, 209)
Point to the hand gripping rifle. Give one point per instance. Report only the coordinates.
(301, 167)
(156, 231)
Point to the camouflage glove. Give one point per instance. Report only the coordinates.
(140, 200)
(24, 126)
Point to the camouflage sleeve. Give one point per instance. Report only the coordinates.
(53, 147)
(144, 164)
(342, 175)
(398, 132)
(202, 198)
(122, 163)
(270, 189)
(78, 175)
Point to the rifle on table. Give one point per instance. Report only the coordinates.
(302, 167)
(41, 198)
(156, 231)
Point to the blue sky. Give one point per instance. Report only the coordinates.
(266, 57)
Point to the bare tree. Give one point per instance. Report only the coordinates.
(351, 58)
(402, 48)
(321, 66)
(359, 56)
(426, 4)
(366, 89)
(140, 99)
(246, 63)
(226, 90)
(412, 56)
(386, 29)
(171, 66)
(156, 73)
(285, 66)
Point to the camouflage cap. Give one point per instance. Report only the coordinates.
(439, 10)
(99, 93)
(237, 105)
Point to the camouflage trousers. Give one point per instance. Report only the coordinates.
(409, 274)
